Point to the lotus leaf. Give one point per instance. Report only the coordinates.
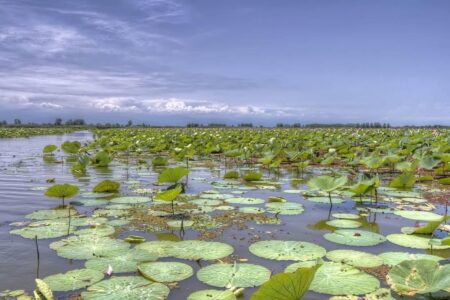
(125, 262)
(346, 216)
(287, 250)
(415, 241)
(342, 223)
(212, 295)
(394, 258)
(165, 271)
(252, 210)
(285, 208)
(126, 287)
(46, 214)
(106, 186)
(195, 250)
(87, 247)
(236, 275)
(130, 200)
(241, 200)
(44, 232)
(355, 258)
(73, 280)
(157, 248)
(100, 230)
(302, 264)
(418, 215)
(354, 237)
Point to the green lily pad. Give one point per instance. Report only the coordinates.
(414, 241)
(125, 262)
(130, 200)
(334, 200)
(96, 195)
(195, 250)
(126, 287)
(242, 200)
(343, 223)
(236, 275)
(211, 202)
(87, 247)
(165, 271)
(92, 202)
(346, 216)
(302, 264)
(354, 237)
(285, 208)
(100, 230)
(87, 221)
(421, 276)
(418, 215)
(212, 295)
(44, 232)
(179, 223)
(355, 258)
(394, 258)
(252, 210)
(287, 250)
(158, 248)
(47, 214)
(73, 280)
(339, 279)
(118, 222)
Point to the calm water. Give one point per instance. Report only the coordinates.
(22, 168)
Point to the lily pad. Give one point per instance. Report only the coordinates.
(339, 279)
(165, 271)
(354, 237)
(47, 214)
(158, 248)
(287, 250)
(421, 276)
(130, 200)
(44, 232)
(236, 275)
(302, 264)
(73, 280)
(334, 200)
(195, 250)
(252, 210)
(342, 223)
(418, 215)
(414, 241)
(346, 216)
(126, 287)
(355, 258)
(100, 230)
(394, 258)
(87, 247)
(242, 200)
(212, 295)
(285, 208)
(126, 262)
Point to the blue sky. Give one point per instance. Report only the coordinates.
(173, 62)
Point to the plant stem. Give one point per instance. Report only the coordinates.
(37, 254)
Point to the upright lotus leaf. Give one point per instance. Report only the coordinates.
(49, 149)
(160, 161)
(339, 279)
(287, 250)
(169, 195)
(394, 258)
(71, 147)
(287, 286)
(426, 229)
(355, 258)
(62, 191)
(403, 181)
(43, 289)
(126, 287)
(327, 184)
(106, 186)
(252, 176)
(429, 162)
(101, 159)
(73, 280)
(354, 237)
(125, 262)
(205, 250)
(212, 295)
(372, 162)
(415, 241)
(87, 247)
(423, 276)
(172, 175)
(235, 275)
(405, 166)
(165, 271)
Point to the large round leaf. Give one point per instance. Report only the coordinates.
(50, 231)
(241, 200)
(195, 250)
(237, 275)
(394, 258)
(126, 262)
(343, 223)
(100, 230)
(414, 241)
(421, 276)
(353, 237)
(355, 258)
(287, 250)
(165, 271)
(87, 247)
(127, 287)
(285, 208)
(46, 214)
(212, 295)
(418, 215)
(73, 280)
(130, 200)
(340, 279)
(158, 248)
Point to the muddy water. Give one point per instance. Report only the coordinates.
(23, 174)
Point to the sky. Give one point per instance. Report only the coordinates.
(171, 62)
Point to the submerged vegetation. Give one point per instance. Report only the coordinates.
(152, 208)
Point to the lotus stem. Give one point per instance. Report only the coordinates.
(37, 255)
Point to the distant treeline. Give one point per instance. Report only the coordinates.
(82, 123)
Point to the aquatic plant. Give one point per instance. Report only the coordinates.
(327, 184)
(106, 186)
(62, 191)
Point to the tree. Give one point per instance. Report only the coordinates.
(58, 122)
(17, 122)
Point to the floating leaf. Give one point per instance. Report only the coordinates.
(355, 258)
(87, 247)
(236, 275)
(44, 232)
(287, 250)
(415, 241)
(130, 200)
(394, 258)
(354, 237)
(418, 215)
(166, 271)
(242, 200)
(125, 262)
(342, 223)
(286, 208)
(73, 280)
(212, 295)
(126, 287)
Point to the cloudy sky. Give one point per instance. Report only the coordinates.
(261, 61)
